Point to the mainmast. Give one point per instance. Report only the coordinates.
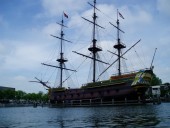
(94, 49)
(61, 60)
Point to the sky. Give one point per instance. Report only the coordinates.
(25, 41)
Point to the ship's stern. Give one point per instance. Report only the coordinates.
(142, 81)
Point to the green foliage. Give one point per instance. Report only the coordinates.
(7, 94)
(1, 94)
(156, 80)
(168, 84)
(20, 95)
(166, 89)
(36, 97)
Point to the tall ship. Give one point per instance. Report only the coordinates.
(125, 87)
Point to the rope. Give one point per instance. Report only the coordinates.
(91, 65)
(124, 65)
(73, 72)
(139, 58)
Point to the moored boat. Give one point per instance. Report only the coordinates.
(125, 87)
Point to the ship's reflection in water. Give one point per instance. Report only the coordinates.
(138, 120)
(98, 117)
(124, 116)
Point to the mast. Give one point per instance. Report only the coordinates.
(119, 46)
(61, 60)
(94, 49)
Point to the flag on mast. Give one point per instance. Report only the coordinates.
(65, 15)
(121, 15)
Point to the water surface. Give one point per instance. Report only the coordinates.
(117, 116)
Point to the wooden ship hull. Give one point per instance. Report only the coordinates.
(128, 88)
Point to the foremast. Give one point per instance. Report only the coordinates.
(61, 60)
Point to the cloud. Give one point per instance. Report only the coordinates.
(2, 49)
(107, 38)
(20, 61)
(164, 73)
(22, 56)
(137, 15)
(51, 28)
(21, 82)
(56, 7)
(20, 78)
(163, 6)
(133, 17)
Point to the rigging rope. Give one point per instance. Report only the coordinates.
(139, 58)
(74, 72)
(101, 67)
(57, 80)
(69, 81)
(90, 71)
(124, 66)
(131, 63)
(108, 16)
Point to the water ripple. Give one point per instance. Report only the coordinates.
(92, 117)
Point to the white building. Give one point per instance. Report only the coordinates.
(156, 90)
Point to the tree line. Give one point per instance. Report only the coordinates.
(21, 95)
